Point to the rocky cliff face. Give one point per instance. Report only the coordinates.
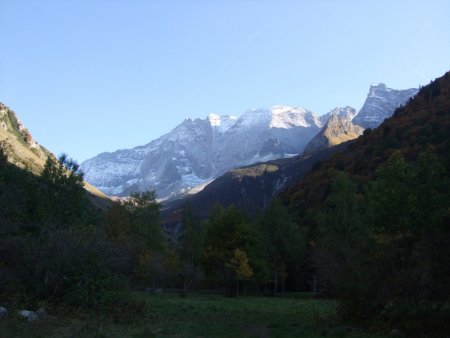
(338, 129)
(347, 112)
(380, 104)
(197, 151)
(18, 144)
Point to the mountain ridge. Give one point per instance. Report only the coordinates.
(199, 150)
(380, 103)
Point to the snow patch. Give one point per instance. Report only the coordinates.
(221, 123)
(192, 180)
(288, 117)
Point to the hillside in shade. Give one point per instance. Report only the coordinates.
(423, 124)
(250, 188)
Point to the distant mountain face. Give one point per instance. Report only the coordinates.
(338, 129)
(380, 104)
(197, 151)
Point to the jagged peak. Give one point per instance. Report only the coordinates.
(378, 85)
(337, 120)
(221, 122)
(343, 111)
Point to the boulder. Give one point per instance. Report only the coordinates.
(395, 333)
(3, 312)
(28, 315)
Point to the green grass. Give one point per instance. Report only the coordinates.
(168, 315)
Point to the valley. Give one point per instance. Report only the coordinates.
(334, 223)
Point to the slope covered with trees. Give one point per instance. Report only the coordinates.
(377, 218)
(57, 246)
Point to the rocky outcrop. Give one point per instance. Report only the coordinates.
(347, 112)
(380, 104)
(338, 129)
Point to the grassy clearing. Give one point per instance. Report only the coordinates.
(168, 315)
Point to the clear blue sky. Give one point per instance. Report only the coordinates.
(90, 76)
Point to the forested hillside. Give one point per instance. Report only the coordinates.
(377, 217)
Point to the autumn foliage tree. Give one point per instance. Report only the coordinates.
(239, 267)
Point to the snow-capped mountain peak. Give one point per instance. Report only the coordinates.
(252, 118)
(288, 117)
(199, 150)
(221, 123)
(214, 120)
(380, 104)
(347, 112)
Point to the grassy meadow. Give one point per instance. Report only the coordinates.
(197, 315)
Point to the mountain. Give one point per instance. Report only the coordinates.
(339, 128)
(423, 124)
(249, 188)
(347, 112)
(196, 151)
(22, 150)
(381, 208)
(380, 104)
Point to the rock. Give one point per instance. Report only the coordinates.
(3, 312)
(28, 315)
(337, 129)
(395, 333)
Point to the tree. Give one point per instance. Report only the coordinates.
(410, 211)
(191, 245)
(282, 238)
(227, 230)
(64, 198)
(343, 244)
(239, 267)
(144, 211)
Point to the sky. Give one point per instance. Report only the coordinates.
(92, 76)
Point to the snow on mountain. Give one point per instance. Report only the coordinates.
(221, 123)
(199, 150)
(347, 112)
(113, 172)
(380, 104)
(288, 117)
